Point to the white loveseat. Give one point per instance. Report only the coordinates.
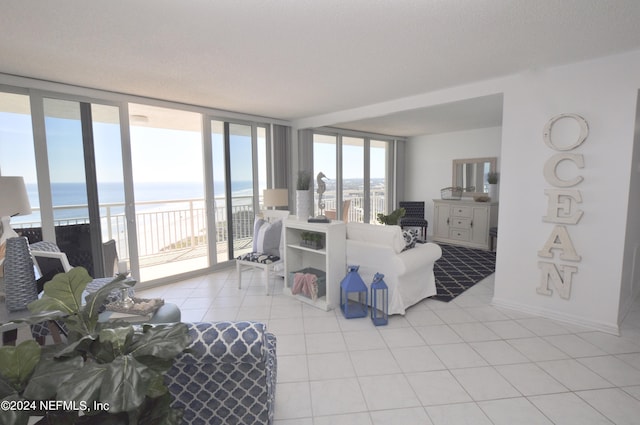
(407, 273)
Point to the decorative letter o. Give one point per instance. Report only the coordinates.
(584, 131)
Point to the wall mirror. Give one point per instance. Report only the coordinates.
(471, 174)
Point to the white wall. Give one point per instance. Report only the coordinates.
(631, 264)
(428, 165)
(604, 92)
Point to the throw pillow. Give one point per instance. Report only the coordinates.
(257, 224)
(410, 238)
(267, 239)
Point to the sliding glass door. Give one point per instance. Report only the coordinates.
(354, 197)
(175, 199)
(240, 177)
(168, 181)
(380, 171)
(239, 158)
(359, 175)
(85, 176)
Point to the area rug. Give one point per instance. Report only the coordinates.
(459, 269)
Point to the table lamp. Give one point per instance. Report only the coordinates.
(275, 198)
(13, 201)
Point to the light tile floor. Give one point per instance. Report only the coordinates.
(463, 362)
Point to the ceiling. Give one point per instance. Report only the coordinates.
(295, 59)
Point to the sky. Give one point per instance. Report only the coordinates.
(158, 155)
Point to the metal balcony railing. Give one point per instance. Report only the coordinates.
(166, 227)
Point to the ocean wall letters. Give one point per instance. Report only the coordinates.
(562, 210)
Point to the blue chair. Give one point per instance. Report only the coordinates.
(414, 217)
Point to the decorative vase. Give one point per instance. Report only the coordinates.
(19, 277)
(303, 204)
(493, 192)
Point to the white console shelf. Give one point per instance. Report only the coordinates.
(330, 259)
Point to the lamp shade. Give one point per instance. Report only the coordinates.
(275, 197)
(13, 197)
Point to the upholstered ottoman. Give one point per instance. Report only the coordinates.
(227, 376)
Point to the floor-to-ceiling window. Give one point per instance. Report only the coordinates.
(239, 158)
(84, 163)
(241, 178)
(353, 180)
(109, 169)
(92, 163)
(262, 160)
(325, 157)
(380, 170)
(17, 156)
(359, 171)
(168, 181)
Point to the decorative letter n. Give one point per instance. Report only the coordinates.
(561, 283)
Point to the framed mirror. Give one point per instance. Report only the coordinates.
(471, 174)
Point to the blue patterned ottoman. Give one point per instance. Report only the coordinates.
(228, 375)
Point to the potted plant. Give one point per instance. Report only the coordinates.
(303, 195)
(492, 179)
(313, 240)
(391, 219)
(105, 373)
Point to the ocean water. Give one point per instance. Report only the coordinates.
(74, 194)
(153, 196)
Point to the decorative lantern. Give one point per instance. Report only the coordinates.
(379, 301)
(353, 294)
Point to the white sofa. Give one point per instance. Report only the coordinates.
(408, 273)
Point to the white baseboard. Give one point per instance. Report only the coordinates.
(560, 317)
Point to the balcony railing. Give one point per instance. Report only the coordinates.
(167, 227)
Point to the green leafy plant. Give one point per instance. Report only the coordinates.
(391, 219)
(116, 366)
(313, 240)
(492, 177)
(304, 180)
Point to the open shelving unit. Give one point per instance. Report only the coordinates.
(330, 258)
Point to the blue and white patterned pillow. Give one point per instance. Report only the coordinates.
(258, 257)
(410, 238)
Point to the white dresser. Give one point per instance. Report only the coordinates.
(464, 222)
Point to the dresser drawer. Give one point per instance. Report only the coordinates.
(460, 223)
(460, 234)
(461, 211)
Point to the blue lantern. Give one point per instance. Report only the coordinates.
(379, 301)
(353, 294)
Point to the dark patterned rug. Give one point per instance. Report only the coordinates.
(459, 269)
